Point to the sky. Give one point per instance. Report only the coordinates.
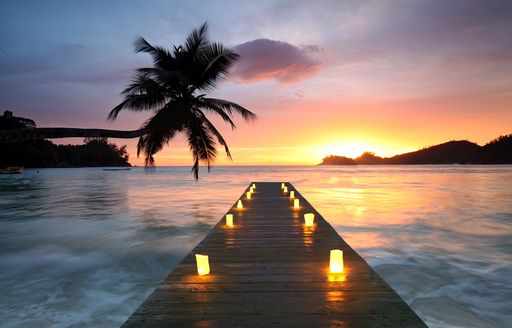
(324, 77)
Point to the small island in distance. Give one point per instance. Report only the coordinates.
(497, 151)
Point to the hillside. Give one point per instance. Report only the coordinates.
(452, 152)
(44, 153)
(498, 151)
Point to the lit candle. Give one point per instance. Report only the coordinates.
(203, 267)
(309, 219)
(251, 189)
(229, 220)
(285, 190)
(292, 194)
(239, 204)
(282, 185)
(296, 203)
(336, 261)
(248, 195)
(253, 186)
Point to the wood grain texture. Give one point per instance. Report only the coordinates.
(269, 270)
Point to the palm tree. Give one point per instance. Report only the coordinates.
(175, 90)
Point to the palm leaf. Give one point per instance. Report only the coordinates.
(216, 133)
(161, 57)
(229, 107)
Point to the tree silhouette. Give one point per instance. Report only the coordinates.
(175, 89)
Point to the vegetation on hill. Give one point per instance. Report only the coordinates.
(43, 153)
(498, 151)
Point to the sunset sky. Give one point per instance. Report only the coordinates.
(324, 77)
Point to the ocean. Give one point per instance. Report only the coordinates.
(84, 247)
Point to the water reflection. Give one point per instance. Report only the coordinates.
(439, 235)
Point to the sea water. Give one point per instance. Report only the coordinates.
(84, 247)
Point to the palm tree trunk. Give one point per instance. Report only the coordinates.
(15, 135)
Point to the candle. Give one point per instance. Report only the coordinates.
(292, 194)
(296, 203)
(285, 190)
(229, 220)
(239, 204)
(203, 266)
(336, 261)
(248, 195)
(309, 219)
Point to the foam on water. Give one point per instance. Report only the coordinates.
(84, 247)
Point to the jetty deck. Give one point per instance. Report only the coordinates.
(269, 270)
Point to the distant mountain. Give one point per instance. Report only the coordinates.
(498, 151)
(452, 152)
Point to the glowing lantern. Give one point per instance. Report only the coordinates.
(282, 185)
(296, 203)
(239, 204)
(203, 266)
(309, 218)
(285, 190)
(251, 189)
(336, 262)
(292, 194)
(248, 195)
(253, 186)
(229, 220)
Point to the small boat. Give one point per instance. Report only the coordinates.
(12, 170)
(118, 169)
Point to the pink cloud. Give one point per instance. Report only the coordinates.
(264, 59)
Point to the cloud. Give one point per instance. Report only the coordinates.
(265, 59)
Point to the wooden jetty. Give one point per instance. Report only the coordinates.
(269, 270)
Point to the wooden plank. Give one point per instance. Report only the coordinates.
(269, 270)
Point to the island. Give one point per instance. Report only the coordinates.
(497, 151)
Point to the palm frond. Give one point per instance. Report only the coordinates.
(167, 79)
(162, 127)
(216, 60)
(161, 57)
(230, 107)
(201, 143)
(137, 103)
(213, 108)
(197, 39)
(216, 133)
